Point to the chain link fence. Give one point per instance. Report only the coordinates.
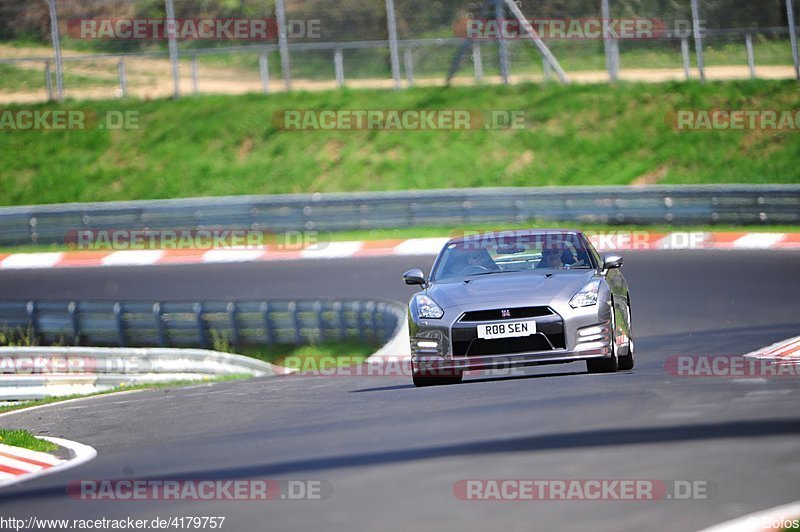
(268, 45)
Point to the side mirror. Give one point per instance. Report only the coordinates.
(414, 276)
(612, 261)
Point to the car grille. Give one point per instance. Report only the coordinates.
(497, 314)
(549, 335)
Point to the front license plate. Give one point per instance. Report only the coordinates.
(507, 330)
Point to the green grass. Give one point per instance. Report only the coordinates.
(576, 135)
(14, 78)
(26, 440)
(345, 352)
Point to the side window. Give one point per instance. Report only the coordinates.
(598, 261)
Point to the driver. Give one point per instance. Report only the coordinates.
(554, 255)
(479, 259)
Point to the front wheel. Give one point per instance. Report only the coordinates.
(627, 362)
(610, 364)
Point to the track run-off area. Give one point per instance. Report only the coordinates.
(394, 457)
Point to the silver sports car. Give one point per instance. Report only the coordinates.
(518, 298)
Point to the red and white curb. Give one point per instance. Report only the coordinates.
(18, 464)
(783, 351)
(786, 517)
(610, 241)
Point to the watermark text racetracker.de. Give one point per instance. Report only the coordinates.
(68, 120)
(210, 29)
(398, 119)
(734, 119)
(210, 238)
(730, 366)
(200, 490)
(597, 489)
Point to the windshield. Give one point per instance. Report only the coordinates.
(501, 253)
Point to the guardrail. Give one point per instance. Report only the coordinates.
(36, 372)
(202, 324)
(678, 205)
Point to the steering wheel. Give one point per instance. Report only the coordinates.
(472, 269)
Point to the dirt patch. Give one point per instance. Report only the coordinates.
(652, 177)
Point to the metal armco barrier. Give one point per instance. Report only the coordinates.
(36, 372)
(202, 324)
(678, 205)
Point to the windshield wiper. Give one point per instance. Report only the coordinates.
(493, 271)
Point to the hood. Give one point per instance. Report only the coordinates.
(507, 288)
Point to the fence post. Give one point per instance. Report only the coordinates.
(686, 61)
(609, 43)
(283, 44)
(408, 56)
(201, 328)
(751, 61)
(263, 72)
(237, 340)
(501, 42)
(48, 82)
(30, 308)
(51, 5)
(391, 24)
(295, 315)
(123, 77)
(793, 37)
(160, 332)
(171, 31)
(320, 315)
(269, 336)
(547, 70)
(338, 308)
(698, 40)
(195, 74)
(120, 323)
(338, 66)
(477, 60)
(72, 309)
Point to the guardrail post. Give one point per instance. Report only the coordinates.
(160, 332)
(200, 324)
(687, 72)
(294, 313)
(237, 341)
(123, 77)
(48, 81)
(120, 322)
(338, 308)
(269, 335)
(751, 61)
(408, 58)
(477, 61)
(33, 326)
(338, 66)
(263, 71)
(72, 309)
(360, 320)
(195, 74)
(320, 314)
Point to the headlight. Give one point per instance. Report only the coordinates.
(586, 296)
(427, 307)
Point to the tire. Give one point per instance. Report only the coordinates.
(627, 362)
(609, 364)
(436, 380)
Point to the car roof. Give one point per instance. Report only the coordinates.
(516, 232)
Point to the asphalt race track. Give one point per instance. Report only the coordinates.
(392, 453)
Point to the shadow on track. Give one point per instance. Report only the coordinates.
(548, 442)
